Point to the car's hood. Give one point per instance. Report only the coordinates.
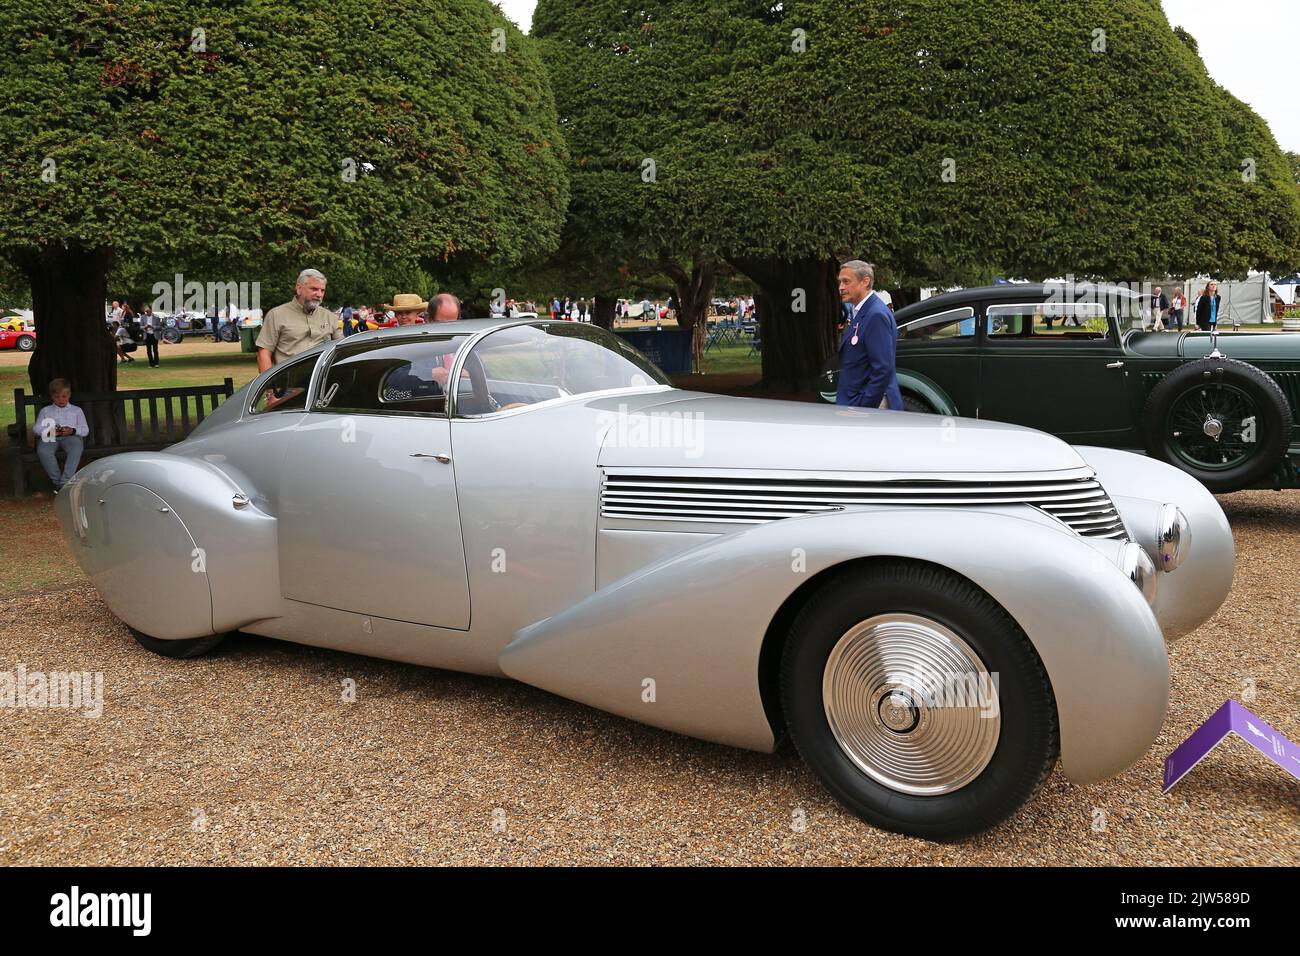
(693, 430)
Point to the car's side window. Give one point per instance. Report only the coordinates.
(942, 326)
(286, 389)
(388, 376)
(523, 365)
(1047, 322)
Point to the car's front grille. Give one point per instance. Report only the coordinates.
(1079, 502)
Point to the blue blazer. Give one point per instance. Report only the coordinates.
(867, 369)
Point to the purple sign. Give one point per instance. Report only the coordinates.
(1231, 718)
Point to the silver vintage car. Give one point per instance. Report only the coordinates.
(934, 610)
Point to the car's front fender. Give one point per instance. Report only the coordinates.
(1188, 596)
(677, 644)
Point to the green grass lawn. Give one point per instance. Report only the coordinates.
(731, 359)
(190, 363)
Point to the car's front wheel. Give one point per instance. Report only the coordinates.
(918, 701)
(184, 648)
(25, 343)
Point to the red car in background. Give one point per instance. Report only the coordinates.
(24, 340)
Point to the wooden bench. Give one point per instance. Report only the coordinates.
(159, 417)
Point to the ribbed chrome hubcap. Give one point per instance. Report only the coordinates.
(911, 704)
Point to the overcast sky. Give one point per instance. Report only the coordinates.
(1251, 47)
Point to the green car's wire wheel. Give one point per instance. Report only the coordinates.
(1224, 422)
(919, 702)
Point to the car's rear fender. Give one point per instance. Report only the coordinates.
(232, 546)
(678, 644)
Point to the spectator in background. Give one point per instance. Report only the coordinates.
(406, 308)
(446, 307)
(868, 374)
(125, 343)
(345, 314)
(60, 426)
(151, 345)
(1176, 306)
(1159, 303)
(297, 325)
(129, 320)
(1207, 307)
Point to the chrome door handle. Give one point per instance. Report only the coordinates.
(1115, 365)
(445, 459)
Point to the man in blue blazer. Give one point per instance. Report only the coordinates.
(867, 369)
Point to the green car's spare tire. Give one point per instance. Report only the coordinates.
(1222, 421)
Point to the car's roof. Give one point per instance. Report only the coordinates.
(459, 327)
(1009, 292)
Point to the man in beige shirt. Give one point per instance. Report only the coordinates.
(297, 325)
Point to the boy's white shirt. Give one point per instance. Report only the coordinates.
(69, 416)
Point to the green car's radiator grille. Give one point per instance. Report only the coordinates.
(1080, 503)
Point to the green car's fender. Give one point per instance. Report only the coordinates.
(927, 390)
(909, 383)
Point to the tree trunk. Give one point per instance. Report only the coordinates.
(694, 292)
(905, 296)
(798, 305)
(603, 314)
(68, 292)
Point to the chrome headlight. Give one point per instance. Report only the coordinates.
(1173, 537)
(1141, 570)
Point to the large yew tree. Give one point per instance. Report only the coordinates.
(946, 142)
(240, 141)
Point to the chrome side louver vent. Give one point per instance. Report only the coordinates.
(1079, 502)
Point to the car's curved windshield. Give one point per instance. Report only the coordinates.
(527, 364)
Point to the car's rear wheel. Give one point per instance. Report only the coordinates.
(918, 701)
(25, 343)
(172, 336)
(1224, 422)
(184, 648)
(919, 405)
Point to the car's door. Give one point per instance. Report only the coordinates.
(941, 347)
(369, 521)
(1058, 367)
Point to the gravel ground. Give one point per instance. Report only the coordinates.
(252, 757)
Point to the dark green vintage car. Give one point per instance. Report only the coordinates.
(1075, 362)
